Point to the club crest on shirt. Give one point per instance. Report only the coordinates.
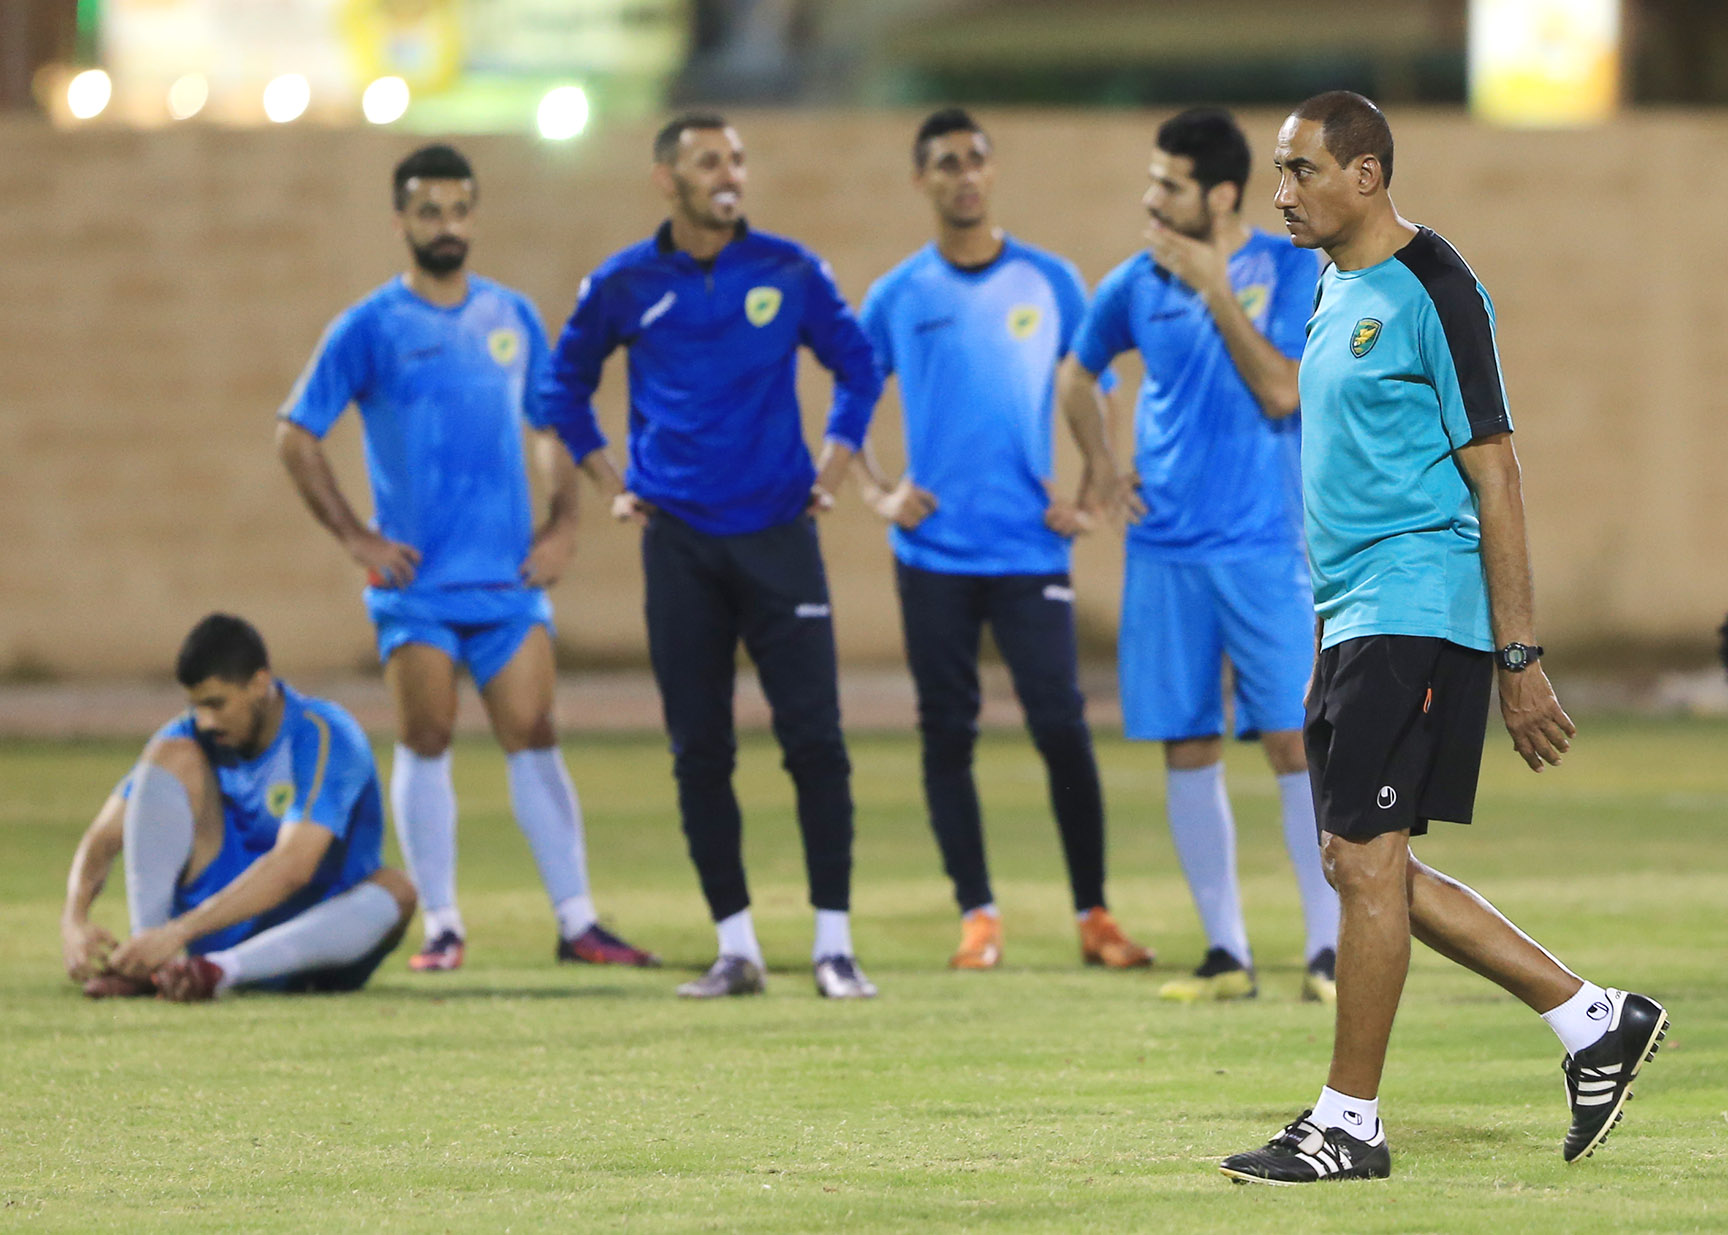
(761, 304)
(1023, 319)
(503, 343)
(1363, 338)
(1253, 299)
(278, 798)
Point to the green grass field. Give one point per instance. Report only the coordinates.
(518, 1096)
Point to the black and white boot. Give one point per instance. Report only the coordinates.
(1599, 1077)
(1306, 1153)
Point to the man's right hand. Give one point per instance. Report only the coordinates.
(628, 508)
(388, 563)
(84, 947)
(905, 505)
(1118, 497)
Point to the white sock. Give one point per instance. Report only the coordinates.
(551, 818)
(1205, 834)
(833, 934)
(423, 801)
(157, 831)
(436, 921)
(1360, 1117)
(738, 937)
(988, 907)
(575, 915)
(335, 932)
(1582, 1019)
(1319, 901)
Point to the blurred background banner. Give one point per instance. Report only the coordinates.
(1545, 62)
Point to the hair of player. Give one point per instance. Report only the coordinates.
(667, 139)
(220, 646)
(940, 124)
(1350, 127)
(436, 162)
(1210, 137)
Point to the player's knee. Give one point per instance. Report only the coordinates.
(427, 738)
(817, 756)
(536, 733)
(182, 757)
(948, 745)
(1358, 869)
(706, 764)
(401, 890)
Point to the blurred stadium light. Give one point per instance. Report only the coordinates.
(1545, 62)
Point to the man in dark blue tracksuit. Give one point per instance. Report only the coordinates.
(713, 315)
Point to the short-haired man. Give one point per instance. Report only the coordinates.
(253, 837)
(1215, 570)
(713, 314)
(1422, 588)
(445, 367)
(974, 325)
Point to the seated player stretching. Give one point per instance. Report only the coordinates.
(253, 835)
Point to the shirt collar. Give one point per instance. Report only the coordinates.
(663, 237)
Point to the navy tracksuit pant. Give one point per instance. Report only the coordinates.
(705, 593)
(1032, 620)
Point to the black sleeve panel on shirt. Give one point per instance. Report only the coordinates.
(1459, 301)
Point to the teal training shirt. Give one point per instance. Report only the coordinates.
(1400, 371)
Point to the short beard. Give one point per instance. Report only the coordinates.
(441, 257)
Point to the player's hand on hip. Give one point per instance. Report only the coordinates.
(85, 948)
(550, 555)
(1064, 517)
(1541, 731)
(147, 951)
(388, 563)
(628, 508)
(906, 505)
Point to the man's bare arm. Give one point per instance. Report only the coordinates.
(83, 945)
(1088, 413)
(387, 563)
(1541, 731)
(1268, 372)
(555, 539)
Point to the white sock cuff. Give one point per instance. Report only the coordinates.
(1194, 778)
(1360, 1117)
(412, 758)
(1583, 1019)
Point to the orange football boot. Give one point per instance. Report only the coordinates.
(1103, 943)
(980, 941)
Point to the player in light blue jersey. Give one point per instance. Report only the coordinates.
(974, 325)
(1215, 569)
(1415, 517)
(253, 837)
(446, 368)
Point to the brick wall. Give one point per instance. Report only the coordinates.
(160, 291)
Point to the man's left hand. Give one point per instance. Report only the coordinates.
(1541, 731)
(147, 951)
(554, 546)
(1201, 264)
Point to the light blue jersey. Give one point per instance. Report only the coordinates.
(1219, 478)
(976, 352)
(318, 769)
(1401, 370)
(443, 396)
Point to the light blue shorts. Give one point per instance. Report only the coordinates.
(483, 636)
(1180, 620)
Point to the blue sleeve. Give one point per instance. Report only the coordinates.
(873, 317)
(573, 373)
(539, 362)
(332, 765)
(830, 330)
(339, 372)
(1293, 302)
(1103, 333)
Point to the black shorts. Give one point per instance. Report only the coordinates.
(1394, 733)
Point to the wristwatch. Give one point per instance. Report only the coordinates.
(1517, 657)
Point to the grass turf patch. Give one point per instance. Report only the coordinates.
(518, 1095)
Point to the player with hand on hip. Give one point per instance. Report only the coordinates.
(445, 367)
(713, 314)
(973, 325)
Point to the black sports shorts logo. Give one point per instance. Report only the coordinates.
(1387, 798)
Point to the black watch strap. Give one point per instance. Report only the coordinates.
(1517, 657)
